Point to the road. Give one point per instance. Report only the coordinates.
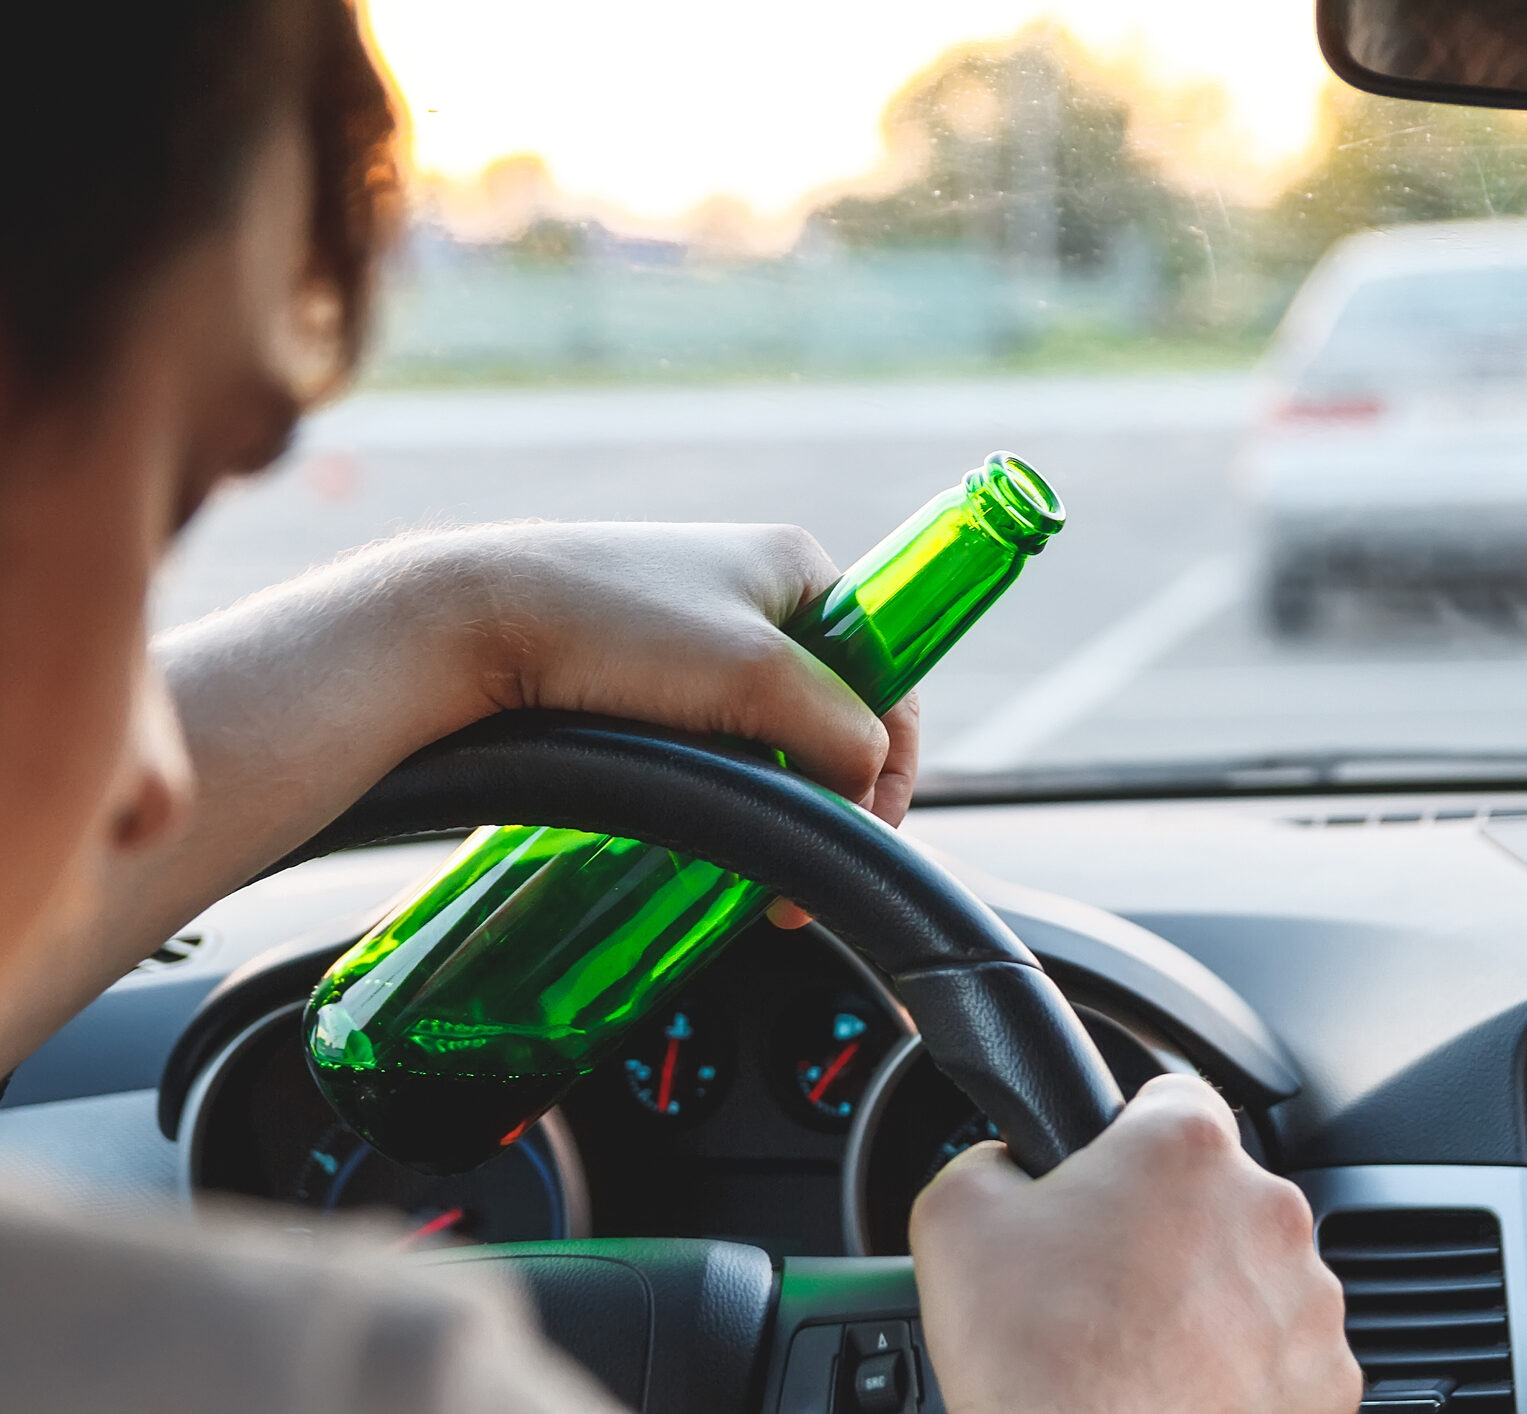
(1134, 637)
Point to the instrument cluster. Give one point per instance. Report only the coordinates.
(781, 1099)
(727, 1114)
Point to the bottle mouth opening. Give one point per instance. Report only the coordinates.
(1024, 493)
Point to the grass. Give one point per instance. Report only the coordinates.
(1073, 350)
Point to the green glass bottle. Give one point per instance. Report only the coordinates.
(454, 1024)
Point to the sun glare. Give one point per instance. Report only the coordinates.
(654, 109)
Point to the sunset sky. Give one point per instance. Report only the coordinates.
(655, 107)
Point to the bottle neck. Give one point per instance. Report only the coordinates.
(900, 608)
(1010, 502)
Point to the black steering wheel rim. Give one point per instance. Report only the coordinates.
(991, 1018)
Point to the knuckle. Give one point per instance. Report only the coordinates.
(1329, 1301)
(927, 1210)
(1192, 1131)
(1333, 1379)
(939, 1203)
(1347, 1384)
(1287, 1214)
(861, 768)
(876, 743)
(957, 1189)
(1182, 1123)
(797, 546)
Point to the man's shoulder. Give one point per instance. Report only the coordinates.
(230, 1312)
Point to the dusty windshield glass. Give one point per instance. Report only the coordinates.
(1267, 336)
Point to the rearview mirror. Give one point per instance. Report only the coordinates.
(1445, 51)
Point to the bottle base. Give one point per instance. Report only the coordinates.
(439, 1124)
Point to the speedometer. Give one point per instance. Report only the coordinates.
(514, 1194)
(256, 1124)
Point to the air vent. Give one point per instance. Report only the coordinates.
(181, 948)
(1438, 815)
(1426, 1300)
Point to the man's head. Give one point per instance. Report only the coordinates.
(195, 193)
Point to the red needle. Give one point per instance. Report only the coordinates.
(445, 1221)
(833, 1071)
(665, 1084)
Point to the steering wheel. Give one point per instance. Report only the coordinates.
(688, 1325)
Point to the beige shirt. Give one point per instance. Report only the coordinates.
(231, 1315)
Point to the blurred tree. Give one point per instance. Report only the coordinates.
(498, 204)
(722, 225)
(552, 240)
(1014, 148)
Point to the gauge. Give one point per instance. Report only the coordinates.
(826, 1050)
(511, 1197)
(678, 1066)
(975, 1130)
(256, 1124)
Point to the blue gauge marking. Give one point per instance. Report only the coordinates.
(344, 1173)
(516, 1195)
(845, 1026)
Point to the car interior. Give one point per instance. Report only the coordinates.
(1201, 827)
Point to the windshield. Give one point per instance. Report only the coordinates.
(687, 261)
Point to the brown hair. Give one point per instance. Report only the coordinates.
(127, 128)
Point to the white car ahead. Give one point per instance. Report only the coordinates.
(1392, 449)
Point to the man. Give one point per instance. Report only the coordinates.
(196, 192)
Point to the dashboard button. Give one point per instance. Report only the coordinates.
(867, 1338)
(880, 1383)
(878, 1368)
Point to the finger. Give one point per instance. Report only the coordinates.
(786, 915)
(991, 1157)
(803, 707)
(984, 1177)
(786, 570)
(792, 701)
(1182, 1104)
(893, 791)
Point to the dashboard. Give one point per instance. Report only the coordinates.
(1350, 971)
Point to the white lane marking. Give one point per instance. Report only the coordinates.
(1099, 668)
